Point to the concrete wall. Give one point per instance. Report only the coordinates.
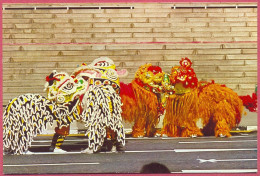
(221, 41)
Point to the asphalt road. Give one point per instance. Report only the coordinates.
(237, 154)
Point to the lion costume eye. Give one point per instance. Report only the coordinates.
(68, 86)
(102, 64)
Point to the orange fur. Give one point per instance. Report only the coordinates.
(180, 117)
(217, 106)
(129, 108)
(221, 105)
(142, 110)
(140, 102)
(146, 109)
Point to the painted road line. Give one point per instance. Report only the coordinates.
(221, 171)
(51, 164)
(199, 142)
(69, 140)
(149, 151)
(46, 145)
(225, 160)
(211, 150)
(51, 153)
(40, 145)
(152, 151)
(65, 153)
(243, 136)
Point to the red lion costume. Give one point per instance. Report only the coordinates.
(217, 108)
(142, 100)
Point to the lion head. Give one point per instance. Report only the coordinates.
(64, 88)
(150, 77)
(102, 71)
(61, 87)
(183, 77)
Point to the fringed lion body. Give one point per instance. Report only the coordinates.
(220, 108)
(214, 107)
(217, 108)
(141, 100)
(146, 107)
(180, 118)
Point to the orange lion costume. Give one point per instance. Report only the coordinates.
(215, 107)
(142, 100)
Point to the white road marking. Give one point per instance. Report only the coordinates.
(146, 138)
(221, 171)
(39, 145)
(149, 151)
(199, 142)
(211, 150)
(244, 134)
(76, 140)
(51, 164)
(45, 145)
(240, 136)
(225, 160)
(52, 153)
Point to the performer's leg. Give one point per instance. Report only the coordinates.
(191, 130)
(116, 146)
(53, 142)
(58, 139)
(150, 128)
(139, 126)
(222, 129)
(170, 130)
(224, 118)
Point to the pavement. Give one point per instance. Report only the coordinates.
(237, 154)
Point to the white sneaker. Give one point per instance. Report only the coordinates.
(222, 136)
(157, 135)
(27, 152)
(114, 149)
(58, 150)
(87, 151)
(164, 135)
(193, 136)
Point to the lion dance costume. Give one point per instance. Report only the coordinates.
(84, 96)
(143, 100)
(215, 106)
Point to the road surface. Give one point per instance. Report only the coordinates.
(237, 154)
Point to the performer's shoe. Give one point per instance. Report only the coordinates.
(193, 136)
(59, 150)
(51, 149)
(120, 147)
(157, 135)
(27, 152)
(113, 150)
(88, 151)
(222, 136)
(164, 135)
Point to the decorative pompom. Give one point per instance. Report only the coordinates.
(250, 102)
(155, 69)
(186, 62)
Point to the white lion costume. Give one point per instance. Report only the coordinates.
(83, 96)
